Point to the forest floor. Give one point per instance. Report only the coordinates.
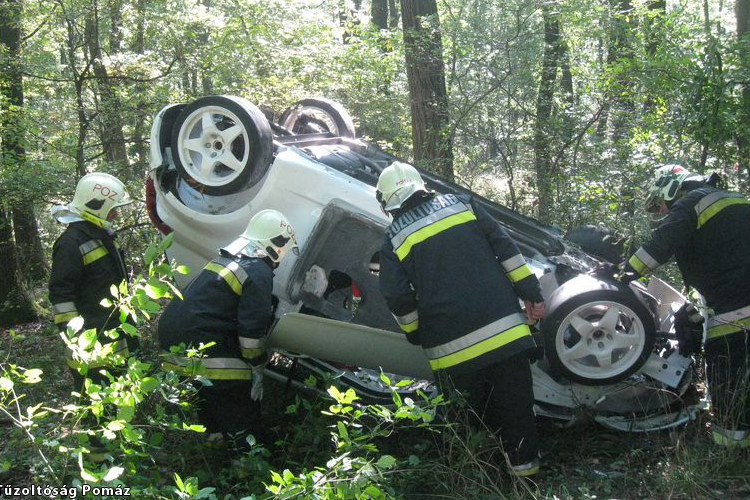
(585, 461)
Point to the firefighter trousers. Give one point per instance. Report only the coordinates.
(502, 396)
(728, 374)
(226, 407)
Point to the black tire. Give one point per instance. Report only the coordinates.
(599, 242)
(252, 150)
(296, 117)
(593, 297)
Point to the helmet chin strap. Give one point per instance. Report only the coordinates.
(104, 224)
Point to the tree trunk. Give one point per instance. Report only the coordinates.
(78, 82)
(112, 136)
(379, 13)
(542, 136)
(620, 49)
(566, 85)
(742, 138)
(425, 72)
(653, 31)
(15, 304)
(392, 14)
(29, 245)
(141, 91)
(207, 83)
(30, 254)
(115, 30)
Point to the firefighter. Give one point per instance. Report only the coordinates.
(452, 278)
(86, 262)
(706, 229)
(230, 304)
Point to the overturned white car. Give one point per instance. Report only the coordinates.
(215, 162)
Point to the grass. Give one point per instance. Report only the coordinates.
(586, 461)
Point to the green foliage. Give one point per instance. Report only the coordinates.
(110, 430)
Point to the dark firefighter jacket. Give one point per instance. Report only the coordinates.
(708, 232)
(228, 303)
(450, 270)
(86, 262)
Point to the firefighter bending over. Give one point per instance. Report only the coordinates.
(708, 231)
(230, 303)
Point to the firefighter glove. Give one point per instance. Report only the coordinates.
(256, 391)
(688, 327)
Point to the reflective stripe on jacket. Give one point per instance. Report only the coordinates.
(211, 368)
(228, 303)
(448, 269)
(727, 323)
(86, 262)
(707, 230)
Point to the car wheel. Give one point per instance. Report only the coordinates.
(221, 144)
(598, 241)
(318, 115)
(595, 332)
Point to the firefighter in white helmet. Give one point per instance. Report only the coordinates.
(230, 303)
(452, 278)
(87, 261)
(706, 230)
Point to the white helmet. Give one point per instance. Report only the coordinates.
(269, 234)
(666, 185)
(397, 183)
(97, 194)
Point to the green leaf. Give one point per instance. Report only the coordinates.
(166, 242)
(373, 491)
(113, 474)
(194, 427)
(131, 434)
(156, 439)
(288, 476)
(75, 325)
(204, 493)
(151, 306)
(385, 379)
(183, 269)
(88, 476)
(149, 255)
(335, 393)
(6, 384)
(148, 384)
(386, 462)
(155, 292)
(32, 376)
(342, 430)
(4, 466)
(86, 339)
(178, 482)
(105, 303)
(113, 291)
(116, 425)
(125, 413)
(128, 328)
